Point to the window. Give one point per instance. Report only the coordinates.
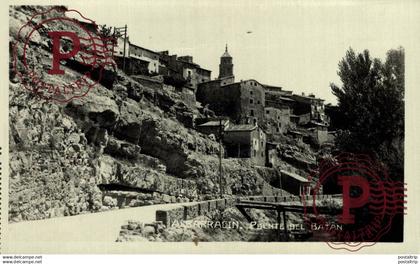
(255, 153)
(258, 102)
(267, 111)
(252, 113)
(251, 93)
(277, 129)
(251, 101)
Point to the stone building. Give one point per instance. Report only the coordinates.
(293, 183)
(138, 60)
(245, 141)
(149, 56)
(215, 127)
(309, 104)
(276, 97)
(300, 120)
(226, 75)
(277, 120)
(182, 71)
(278, 110)
(318, 132)
(242, 101)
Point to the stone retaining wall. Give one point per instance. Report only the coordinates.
(289, 198)
(125, 199)
(188, 212)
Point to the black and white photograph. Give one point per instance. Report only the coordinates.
(141, 126)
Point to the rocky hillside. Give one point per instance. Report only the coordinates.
(123, 144)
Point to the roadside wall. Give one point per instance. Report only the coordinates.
(188, 212)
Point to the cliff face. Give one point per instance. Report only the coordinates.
(123, 144)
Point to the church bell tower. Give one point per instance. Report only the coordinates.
(225, 66)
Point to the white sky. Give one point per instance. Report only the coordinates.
(296, 45)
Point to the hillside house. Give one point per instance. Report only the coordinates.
(309, 104)
(318, 132)
(138, 60)
(293, 183)
(245, 141)
(182, 71)
(242, 101)
(278, 120)
(300, 120)
(276, 97)
(215, 127)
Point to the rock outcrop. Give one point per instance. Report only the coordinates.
(121, 145)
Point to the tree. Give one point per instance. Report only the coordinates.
(108, 33)
(371, 100)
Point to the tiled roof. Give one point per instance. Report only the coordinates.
(245, 127)
(286, 99)
(143, 48)
(226, 54)
(294, 175)
(213, 123)
(307, 97)
(318, 123)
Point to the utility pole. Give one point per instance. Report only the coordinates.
(119, 31)
(125, 40)
(220, 158)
